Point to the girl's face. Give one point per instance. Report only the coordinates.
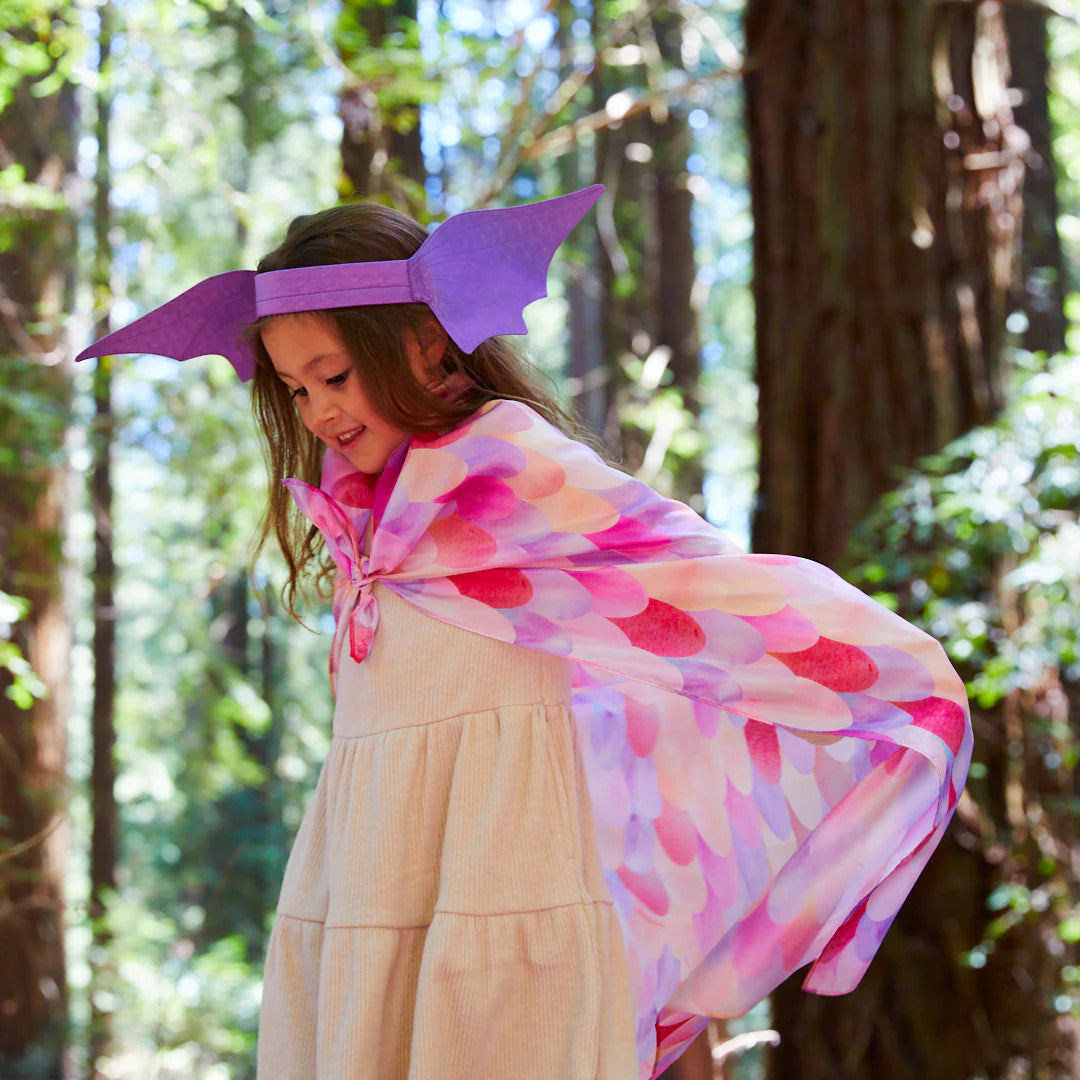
(311, 360)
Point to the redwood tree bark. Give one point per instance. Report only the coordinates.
(886, 174)
(36, 261)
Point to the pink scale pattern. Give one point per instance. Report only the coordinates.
(772, 756)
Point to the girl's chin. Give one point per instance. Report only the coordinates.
(369, 453)
(367, 458)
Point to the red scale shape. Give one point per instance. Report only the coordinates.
(662, 630)
(677, 835)
(845, 669)
(846, 933)
(628, 535)
(498, 588)
(433, 442)
(764, 747)
(482, 498)
(642, 727)
(356, 489)
(647, 888)
(943, 717)
(460, 542)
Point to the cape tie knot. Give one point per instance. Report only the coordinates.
(360, 574)
(364, 616)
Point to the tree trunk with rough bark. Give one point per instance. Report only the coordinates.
(885, 173)
(677, 330)
(886, 177)
(590, 373)
(36, 260)
(104, 836)
(648, 268)
(1040, 281)
(380, 140)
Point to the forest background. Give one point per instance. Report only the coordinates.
(827, 298)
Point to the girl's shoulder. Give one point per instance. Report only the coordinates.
(507, 436)
(504, 418)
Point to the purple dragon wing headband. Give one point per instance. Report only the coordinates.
(477, 272)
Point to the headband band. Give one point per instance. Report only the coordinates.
(281, 292)
(477, 272)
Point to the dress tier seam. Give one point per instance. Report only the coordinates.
(456, 716)
(446, 911)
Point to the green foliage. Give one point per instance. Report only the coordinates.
(1065, 119)
(981, 546)
(24, 684)
(18, 194)
(40, 45)
(392, 67)
(34, 403)
(1003, 499)
(177, 1011)
(39, 42)
(33, 418)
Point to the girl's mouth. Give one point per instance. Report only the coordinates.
(346, 440)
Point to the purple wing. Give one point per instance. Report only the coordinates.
(208, 319)
(479, 270)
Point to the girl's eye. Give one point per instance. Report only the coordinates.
(334, 380)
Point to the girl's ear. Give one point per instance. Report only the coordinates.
(432, 338)
(436, 373)
(443, 379)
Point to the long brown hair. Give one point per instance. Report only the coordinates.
(369, 232)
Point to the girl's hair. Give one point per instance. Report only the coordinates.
(368, 232)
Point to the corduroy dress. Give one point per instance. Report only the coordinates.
(444, 915)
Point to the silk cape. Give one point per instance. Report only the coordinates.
(772, 756)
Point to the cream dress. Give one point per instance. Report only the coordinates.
(443, 914)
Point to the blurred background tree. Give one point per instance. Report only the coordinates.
(38, 132)
(884, 178)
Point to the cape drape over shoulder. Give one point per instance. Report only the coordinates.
(772, 756)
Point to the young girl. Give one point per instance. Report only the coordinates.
(596, 775)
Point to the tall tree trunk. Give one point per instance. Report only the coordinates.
(246, 100)
(103, 808)
(886, 170)
(267, 751)
(628, 245)
(676, 320)
(380, 146)
(885, 176)
(648, 270)
(589, 374)
(1040, 285)
(37, 132)
(603, 379)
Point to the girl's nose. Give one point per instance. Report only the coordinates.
(324, 407)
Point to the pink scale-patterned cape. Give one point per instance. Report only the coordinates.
(772, 756)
